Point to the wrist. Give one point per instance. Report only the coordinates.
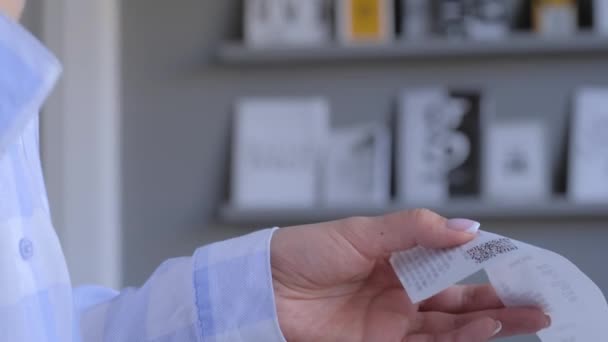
(284, 294)
(284, 313)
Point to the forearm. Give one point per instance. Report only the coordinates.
(223, 293)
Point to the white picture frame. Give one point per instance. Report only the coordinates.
(516, 162)
(588, 155)
(600, 16)
(418, 180)
(279, 149)
(358, 171)
(286, 22)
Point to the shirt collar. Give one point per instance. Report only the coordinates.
(29, 72)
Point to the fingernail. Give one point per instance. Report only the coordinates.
(548, 321)
(498, 328)
(464, 225)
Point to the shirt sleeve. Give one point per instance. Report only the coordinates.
(223, 293)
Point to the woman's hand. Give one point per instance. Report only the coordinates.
(333, 282)
(12, 8)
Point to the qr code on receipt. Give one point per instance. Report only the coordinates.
(490, 250)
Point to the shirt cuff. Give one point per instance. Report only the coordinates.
(234, 290)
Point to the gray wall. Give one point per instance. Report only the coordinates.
(177, 108)
(32, 16)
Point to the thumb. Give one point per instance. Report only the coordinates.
(379, 236)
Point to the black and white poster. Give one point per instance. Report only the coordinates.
(464, 169)
(488, 19)
(439, 144)
(477, 19)
(450, 18)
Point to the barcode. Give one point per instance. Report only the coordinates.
(490, 250)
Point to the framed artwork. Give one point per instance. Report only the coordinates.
(416, 19)
(439, 144)
(488, 19)
(287, 22)
(588, 162)
(365, 21)
(600, 16)
(450, 18)
(477, 19)
(516, 163)
(278, 152)
(358, 168)
(551, 17)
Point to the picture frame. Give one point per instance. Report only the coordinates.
(358, 170)
(416, 19)
(555, 18)
(588, 152)
(279, 149)
(439, 144)
(287, 22)
(365, 21)
(516, 162)
(488, 19)
(450, 18)
(600, 16)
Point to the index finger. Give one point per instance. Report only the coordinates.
(379, 236)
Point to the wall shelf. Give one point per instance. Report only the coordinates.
(557, 209)
(522, 45)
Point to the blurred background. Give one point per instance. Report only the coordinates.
(181, 123)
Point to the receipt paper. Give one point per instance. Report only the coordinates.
(522, 274)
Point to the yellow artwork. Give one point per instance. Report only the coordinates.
(366, 20)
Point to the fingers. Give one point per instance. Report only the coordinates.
(380, 236)
(425, 228)
(480, 330)
(463, 299)
(514, 320)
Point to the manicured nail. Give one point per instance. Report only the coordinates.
(548, 321)
(498, 328)
(464, 225)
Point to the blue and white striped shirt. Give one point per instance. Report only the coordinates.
(222, 293)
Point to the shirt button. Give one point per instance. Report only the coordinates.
(26, 248)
